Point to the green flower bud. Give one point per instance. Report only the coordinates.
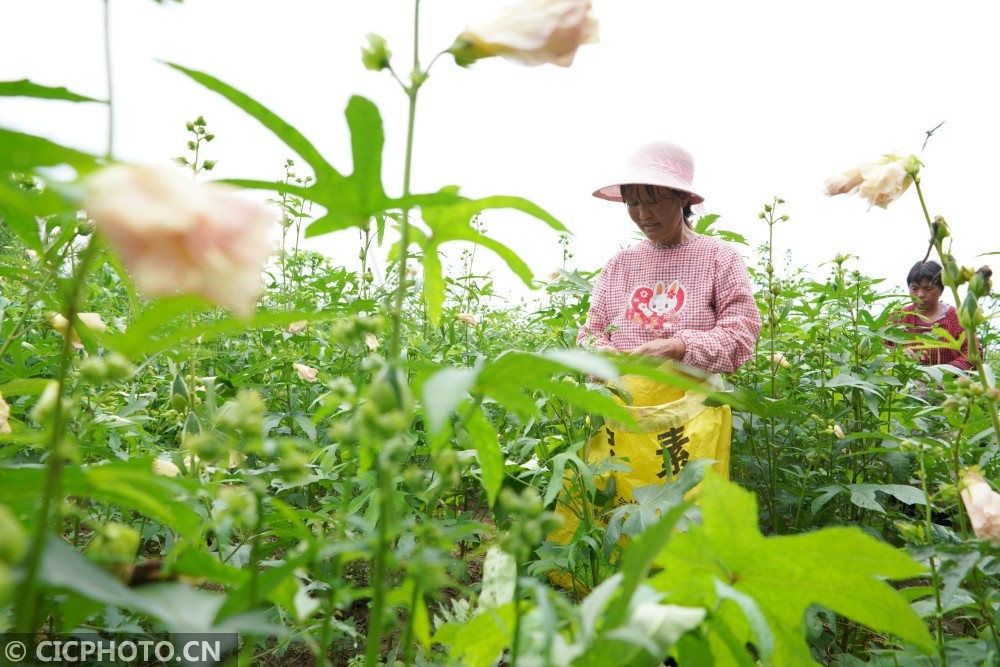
(46, 405)
(912, 166)
(376, 55)
(179, 395)
(94, 371)
(191, 424)
(951, 274)
(115, 545)
(969, 315)
(941, 229)
(980, 284)
(119, 366)
(14, 542)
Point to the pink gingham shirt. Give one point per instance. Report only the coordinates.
(698, 291)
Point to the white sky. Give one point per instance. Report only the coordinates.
(771, 97)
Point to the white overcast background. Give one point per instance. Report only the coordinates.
(771, 97)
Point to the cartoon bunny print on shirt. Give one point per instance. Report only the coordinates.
(654, 307)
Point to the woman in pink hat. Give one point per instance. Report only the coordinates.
(676, 295)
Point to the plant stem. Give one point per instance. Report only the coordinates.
(973, 344)
(395, 341)
(379, 566)
(27, 604)
(107, 68)
(516, 641)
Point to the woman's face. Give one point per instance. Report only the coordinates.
(925, 295)
(660, 216)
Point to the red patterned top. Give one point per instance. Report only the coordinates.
(948, 321)
(698, 291)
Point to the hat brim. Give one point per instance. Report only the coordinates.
(640, 176)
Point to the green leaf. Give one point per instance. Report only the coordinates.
(443, 392)
(499, 578)
(840, 568)
(491, 459)
(25, 88)
(129, 484)
(479, 642)
(288, 134)
(179, 607)
(452, 221)
(638, 560)
(557, 481)
(23, 153)
(764, 638)
(24, 387)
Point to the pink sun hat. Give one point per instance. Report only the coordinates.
(660, 163)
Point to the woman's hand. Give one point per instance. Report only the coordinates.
(665, 348)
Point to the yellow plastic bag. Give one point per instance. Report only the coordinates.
(674, 427)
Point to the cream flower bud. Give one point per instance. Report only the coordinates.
(533, 32)
(166, 468)
(4, 416)
(839, 432)
(778, 359)
(298, 327)
(370, 340)
(175, 235)
(983, 506)
(92, 321)
(468, 318)
(306, 373)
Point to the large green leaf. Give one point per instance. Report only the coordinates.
(348, 200)
(479, 642)
(354, 200)
(491, 459)
(512, 377)
(179, 607)
(452, 221)
(25, 88)
(129, 484)
(23, 153)
(840, 568)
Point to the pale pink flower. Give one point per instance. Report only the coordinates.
(298, 327)
(4, 416)
(92, 321)
(166, 468)
(983, 505)
(370, 340)
(175, 235)
(468, 318)
(306, 373)
(533, 32)
(881, 183)
(554, 276)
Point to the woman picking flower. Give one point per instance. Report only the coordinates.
(676, 295)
